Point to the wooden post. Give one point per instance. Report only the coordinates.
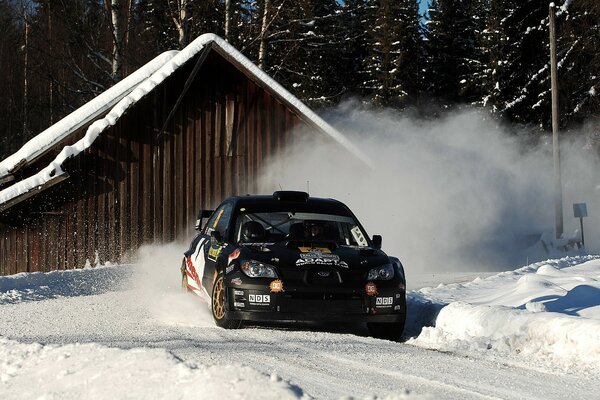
(555, 144)
(582, 237)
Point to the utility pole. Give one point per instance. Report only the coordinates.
(555, 144)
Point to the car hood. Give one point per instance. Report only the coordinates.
(291, 256)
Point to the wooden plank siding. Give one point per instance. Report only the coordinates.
(132, 187)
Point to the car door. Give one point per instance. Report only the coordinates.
(219, 221)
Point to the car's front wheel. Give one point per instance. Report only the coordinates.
(388, 331)
(218, 305)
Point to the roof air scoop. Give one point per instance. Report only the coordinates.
(290, 195)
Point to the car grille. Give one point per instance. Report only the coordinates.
(310, 275)
(322, 304)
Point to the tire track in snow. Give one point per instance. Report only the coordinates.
(336, 372)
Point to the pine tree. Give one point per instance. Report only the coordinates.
(354, 47)
(10, 86)
(393, 65)
(493, 43)
(454, 61)
(525, 74)
(579, 57)
(304, 41)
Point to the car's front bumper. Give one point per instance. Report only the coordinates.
(252, 300)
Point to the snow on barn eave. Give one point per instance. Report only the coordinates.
(47, 139)
(122, 96)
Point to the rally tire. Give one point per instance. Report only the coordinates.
(219, 305)
(387, 331)
(184, 284)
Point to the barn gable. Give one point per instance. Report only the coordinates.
(199, 128)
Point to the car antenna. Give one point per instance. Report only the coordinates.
(308, 187)
(280, 188)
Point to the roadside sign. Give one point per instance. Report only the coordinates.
(580, 210)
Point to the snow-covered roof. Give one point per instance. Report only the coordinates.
(41, 143)
(125, 94)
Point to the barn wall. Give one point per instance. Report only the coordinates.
(134, 187)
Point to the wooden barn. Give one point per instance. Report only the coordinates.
(135, 164)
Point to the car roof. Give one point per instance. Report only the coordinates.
(268, 200)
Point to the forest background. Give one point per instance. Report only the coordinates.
(55, 55)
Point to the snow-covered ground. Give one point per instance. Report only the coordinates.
(127, 332)
(547, 313)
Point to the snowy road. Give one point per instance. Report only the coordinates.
(317, 361)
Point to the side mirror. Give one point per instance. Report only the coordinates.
(216, 236)
(377, 241)
(201, 215)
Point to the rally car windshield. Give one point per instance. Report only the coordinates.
(272, 227)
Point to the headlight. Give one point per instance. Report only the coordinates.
(256, 269)
(384, 273)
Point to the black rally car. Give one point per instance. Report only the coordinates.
(291, 257)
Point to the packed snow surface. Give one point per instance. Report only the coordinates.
(76, 371)
(128, 332)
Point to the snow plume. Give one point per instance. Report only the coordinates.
(458, 193)
(158, 285)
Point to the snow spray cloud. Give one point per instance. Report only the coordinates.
(458, 193)
(158, 279)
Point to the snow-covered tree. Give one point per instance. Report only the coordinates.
(579, 58)
(392, 67)
(454, 53)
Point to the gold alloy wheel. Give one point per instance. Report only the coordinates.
(218, 299)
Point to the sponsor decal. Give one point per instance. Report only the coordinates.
(314, 250)
(218, 218)
(396, 308)
(234, 254)
(324, 274)
(229, 269)
(358, 236)
(384, 301)
(192, 271)
(317, 258)
(398, 295)
(198, 248)
(239, 304)
(259, 298)
(236, 281)
(238, 292)
(214, 252)
(275, 259)
(259, 244)
(371, 289)
(276, 286)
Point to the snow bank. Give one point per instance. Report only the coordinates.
(559, 341)
(548, 311)
(75, 371)
(38, 286)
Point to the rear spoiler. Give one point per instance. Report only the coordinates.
(291, 195)
(201, 215)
